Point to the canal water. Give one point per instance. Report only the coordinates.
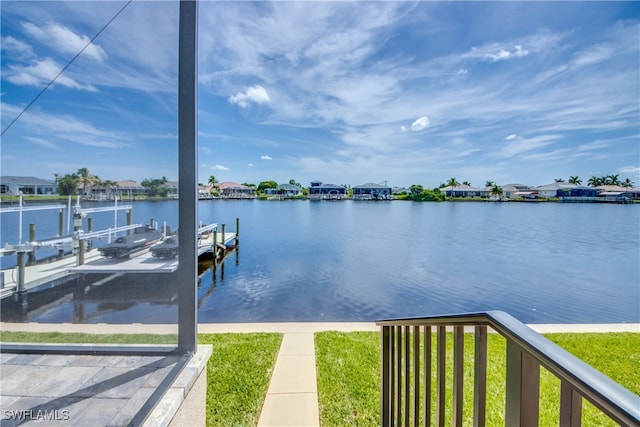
(362, 261)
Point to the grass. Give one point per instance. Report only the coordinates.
(348, 367)
(76, 338)
(238, 376)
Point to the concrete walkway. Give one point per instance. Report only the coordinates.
(292, 398)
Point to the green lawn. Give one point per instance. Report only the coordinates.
(348, 367)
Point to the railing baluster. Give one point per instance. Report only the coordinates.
(441, 372)
(416, 376)
(458, 375)
(407, 375)
(386, 384)
(427, 376)
(522, 388)
(399, 375)
(570, 406)
(392, 375)
(480, 377)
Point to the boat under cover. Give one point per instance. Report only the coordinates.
(167, 249)
(125, 245)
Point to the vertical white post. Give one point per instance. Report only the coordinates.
(115, 214)
(69, 217)
(20, 218)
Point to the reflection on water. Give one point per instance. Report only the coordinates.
(362, 261)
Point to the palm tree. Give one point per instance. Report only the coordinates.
(575, 180)
(612, 179)
(86, 179)
(496, 191)
(559, 180)
(466, 183)
(627, 183)
(594, 181)
(489, 184)
(453, 183)
(214, 186)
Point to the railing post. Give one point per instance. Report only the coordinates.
(387, 384)
(416, 376)
(522, 388)
(458, 375)
(399, 374)
(392, 372)
(441, 360)
(427, 376)
(407, 375)
(570, 406)
(480, 377)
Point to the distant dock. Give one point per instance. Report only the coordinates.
(212, 243)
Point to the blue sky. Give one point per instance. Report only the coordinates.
(341, 92)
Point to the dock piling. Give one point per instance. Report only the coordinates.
(60, 230)
(89, 229)
(224, 249)
(32, 238)
(215, 247)
(129, 219)
(21, 271)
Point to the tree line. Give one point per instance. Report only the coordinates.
(82, 182)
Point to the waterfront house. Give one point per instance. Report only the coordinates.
(513, 191)
(129, 189)
(400, 190)
(551, 190)
(172, 188)
(633, 192)
(233, 190)
(284, 190)
(567, 192)
(371, 191)
(14, 185)
(320, 191)
(464, 190)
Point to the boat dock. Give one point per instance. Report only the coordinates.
(211, 243)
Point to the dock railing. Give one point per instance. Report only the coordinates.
(406, 370)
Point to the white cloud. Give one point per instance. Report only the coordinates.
(266, 158)
(510, 137)
(64, 40)
(420, 124)
(517, 52)
(46, 143)
(16, 47)
(256, 94)
(219, 168)
(629, 170)
(250, 165)
(41, 73)
(524, 145)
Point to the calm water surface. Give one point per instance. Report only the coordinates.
(362, 261)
